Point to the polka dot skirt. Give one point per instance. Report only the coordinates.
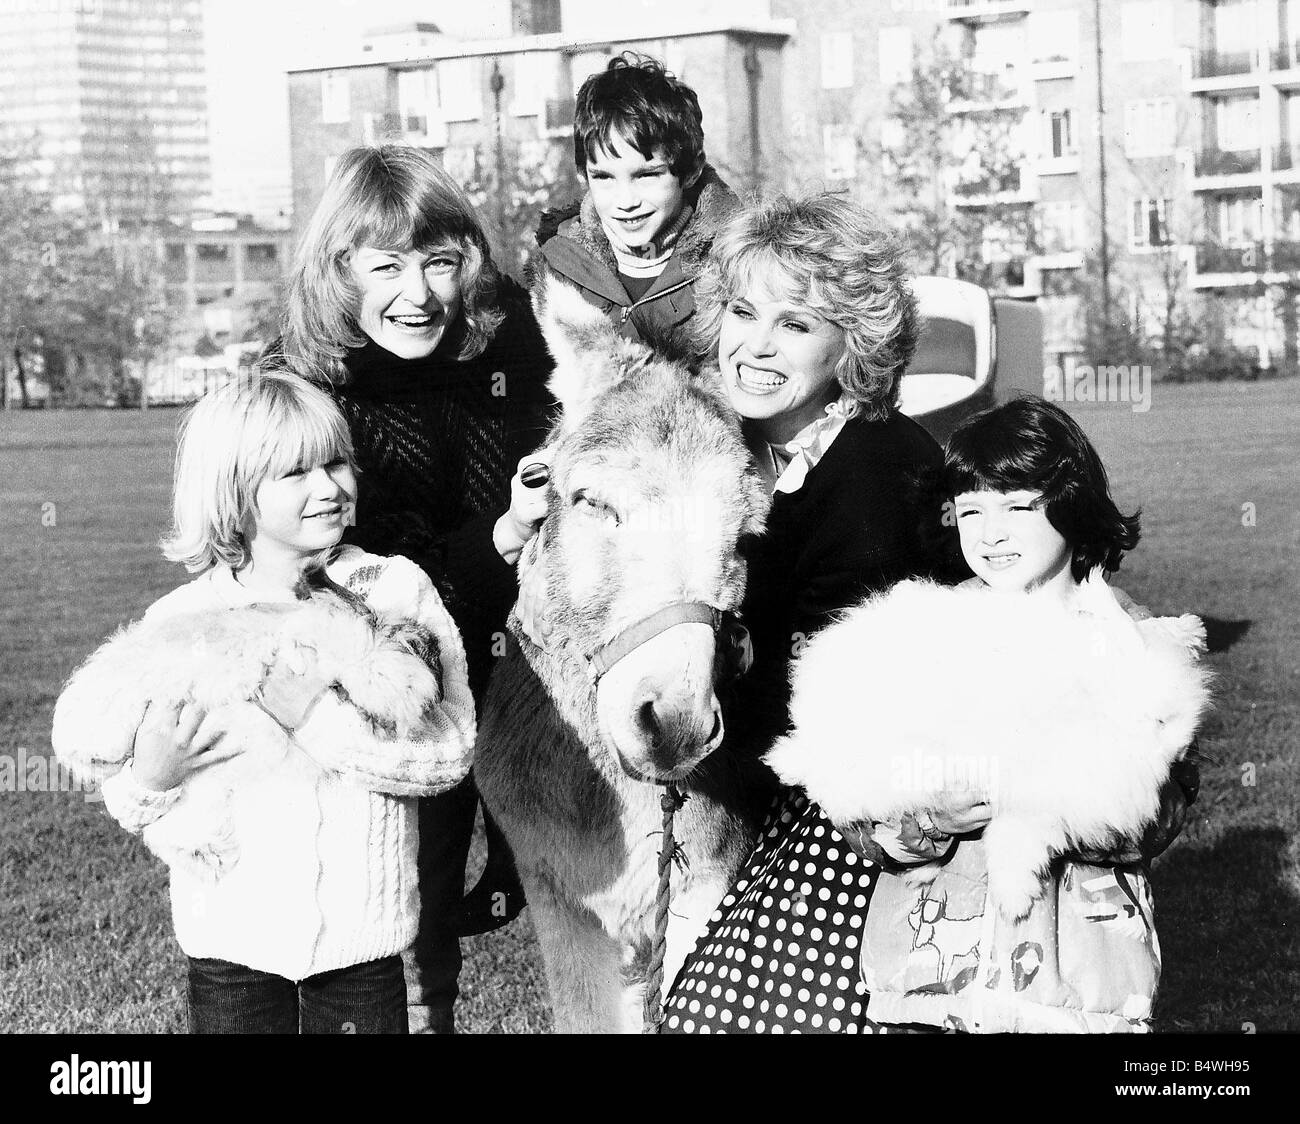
(780, 954)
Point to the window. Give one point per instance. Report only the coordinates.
(460, 89)
(1063, 323)
(528, 97)
(1237, 218)
(207, 251)
(335, 98)
(840, 152)
(583, 64)
(260, 252)
(1053, 36)
(1236, 123)
(1150, 127)
(837, 61)
(1149, 223)
(1058, 137)
(417, 99)
(1061, 227)
(895, 55)
(1146, 30)
(1234, 26)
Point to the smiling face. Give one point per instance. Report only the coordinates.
(409, 298)
(300, 512)
(1007, 540)
(637, 198)
(778, 360)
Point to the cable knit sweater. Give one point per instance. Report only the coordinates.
(326, 876)
(437, 441)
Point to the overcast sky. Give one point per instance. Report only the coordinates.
(250, 44)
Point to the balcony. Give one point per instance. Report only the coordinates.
(987, 11)
(1217, 163)
(1285, 162)
(1216, 71)
(981, 92)
(1235, 257)
(1238, 263)
(1222, 64)
(1005, 188)
(1057, 65)
(1285, 56)
(1285, 257)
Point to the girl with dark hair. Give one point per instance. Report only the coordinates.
(1033, 701)
(439, 368)
(1031, 445)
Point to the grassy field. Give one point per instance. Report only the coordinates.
(87, 938)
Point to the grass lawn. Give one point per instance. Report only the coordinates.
(83, 906)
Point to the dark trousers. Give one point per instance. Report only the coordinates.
(226, 998)
(433, 961)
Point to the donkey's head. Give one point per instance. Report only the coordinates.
(651, 491)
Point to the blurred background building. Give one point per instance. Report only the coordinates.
(110, 96)
(1154, 139)
(1131, 165)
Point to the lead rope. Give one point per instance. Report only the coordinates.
(669, 853)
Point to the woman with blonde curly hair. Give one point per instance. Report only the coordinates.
(436, 361)
(806, 310)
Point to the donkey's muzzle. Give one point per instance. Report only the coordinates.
(678, 730)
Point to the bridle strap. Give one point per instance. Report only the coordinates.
(631, 638)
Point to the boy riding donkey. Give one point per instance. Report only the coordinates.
(635, 243)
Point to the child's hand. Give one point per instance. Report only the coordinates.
(172, 742)
(962, 815)
(528, 500)
(289, 692)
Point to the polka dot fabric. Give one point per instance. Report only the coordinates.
(780, 955)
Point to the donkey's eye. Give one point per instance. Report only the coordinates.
(593, 505)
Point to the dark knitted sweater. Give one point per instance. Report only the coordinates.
(437, 441)
(853, 528)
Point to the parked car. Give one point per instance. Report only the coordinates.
(975, 351)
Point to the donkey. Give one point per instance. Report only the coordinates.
(652, 493)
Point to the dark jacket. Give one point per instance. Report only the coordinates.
(573, 246)
(853, 528)
(437, 441)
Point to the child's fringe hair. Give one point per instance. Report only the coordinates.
(392, 197)
(1032, 445)
(231, 440)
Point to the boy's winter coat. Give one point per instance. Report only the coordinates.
(573, 245)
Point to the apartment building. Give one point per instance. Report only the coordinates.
(110, 97)
(487, 103)
(1159, 140)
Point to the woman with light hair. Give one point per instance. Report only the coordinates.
(807, 312)
(434, 357)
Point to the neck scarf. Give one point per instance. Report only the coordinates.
(796, 458)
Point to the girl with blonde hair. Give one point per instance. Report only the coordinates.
(295, 897)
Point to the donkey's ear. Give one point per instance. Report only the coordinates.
(583, 342)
